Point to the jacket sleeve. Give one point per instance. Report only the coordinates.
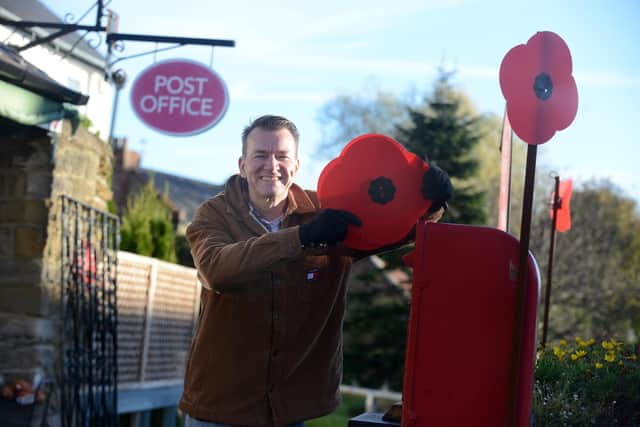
(224, 263)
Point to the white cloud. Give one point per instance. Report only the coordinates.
(607, 79)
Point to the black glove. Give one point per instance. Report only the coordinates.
(328, 227)
(436, 186)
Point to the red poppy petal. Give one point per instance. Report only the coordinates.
(544, 123)
(557, 112)
(522, 113)
(551, 53)
(516, 73)
(563, 104)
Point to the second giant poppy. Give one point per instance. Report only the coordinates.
(379, 181)
(537, 83)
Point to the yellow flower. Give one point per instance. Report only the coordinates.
(563, 342)
(632, 357)
(620, 363)
(607, 345)
(598, 365)
(582, 343)
(610, 357)
(578, 354)
(559, 353)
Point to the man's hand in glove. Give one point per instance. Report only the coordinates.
(436, 186)
(327, 228)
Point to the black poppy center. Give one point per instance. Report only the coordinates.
(382, 190)
(543, 86)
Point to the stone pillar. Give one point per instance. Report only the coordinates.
(26, 337)
(35, 169)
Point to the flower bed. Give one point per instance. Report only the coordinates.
(588, 383)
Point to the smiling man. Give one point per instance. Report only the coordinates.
(268, 349)
(269, 163)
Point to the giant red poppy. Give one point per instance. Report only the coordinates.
(537, 83)
(563, 218)
(379, 181)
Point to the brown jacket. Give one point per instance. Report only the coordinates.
(268, 350)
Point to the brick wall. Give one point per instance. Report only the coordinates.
(35, 169)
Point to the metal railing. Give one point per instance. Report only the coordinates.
(88, 273)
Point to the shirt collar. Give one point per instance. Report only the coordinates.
(269, 224)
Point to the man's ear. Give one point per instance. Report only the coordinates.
(297, 167)
(241, 167)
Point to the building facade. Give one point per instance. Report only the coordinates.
(70, 60)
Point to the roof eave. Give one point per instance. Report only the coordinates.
(99, 64)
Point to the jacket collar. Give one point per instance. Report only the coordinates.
(299, 201)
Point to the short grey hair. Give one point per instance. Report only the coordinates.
(270, 122)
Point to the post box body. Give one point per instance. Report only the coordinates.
(459, 340)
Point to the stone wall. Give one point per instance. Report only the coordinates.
(35, 169)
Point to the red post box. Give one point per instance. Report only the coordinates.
(460, 328)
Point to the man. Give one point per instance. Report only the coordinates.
(268, 350)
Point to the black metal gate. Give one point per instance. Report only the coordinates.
(89, 247)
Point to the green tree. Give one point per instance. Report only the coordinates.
(447, 134)
(347, 116)
(146, 225)
(596, 267)
(375, 331)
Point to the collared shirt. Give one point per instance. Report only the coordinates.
(269, 225)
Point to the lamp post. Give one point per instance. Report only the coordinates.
(119, 78)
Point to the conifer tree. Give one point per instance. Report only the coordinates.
(446, 134)
(146, 225)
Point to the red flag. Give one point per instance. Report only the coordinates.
(563, 220)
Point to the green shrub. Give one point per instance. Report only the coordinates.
(146, 225)
(183, 251)
(587, 384)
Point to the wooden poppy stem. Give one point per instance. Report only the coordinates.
(552, 246)
(504, 200)
(523, 273)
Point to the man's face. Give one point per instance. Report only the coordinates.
(269, 165)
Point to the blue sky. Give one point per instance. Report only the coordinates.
(293, 56)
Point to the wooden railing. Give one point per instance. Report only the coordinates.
(372, 396)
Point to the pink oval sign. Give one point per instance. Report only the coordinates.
(179, 97)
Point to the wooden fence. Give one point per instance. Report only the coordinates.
(158, 306)
(157, 314)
